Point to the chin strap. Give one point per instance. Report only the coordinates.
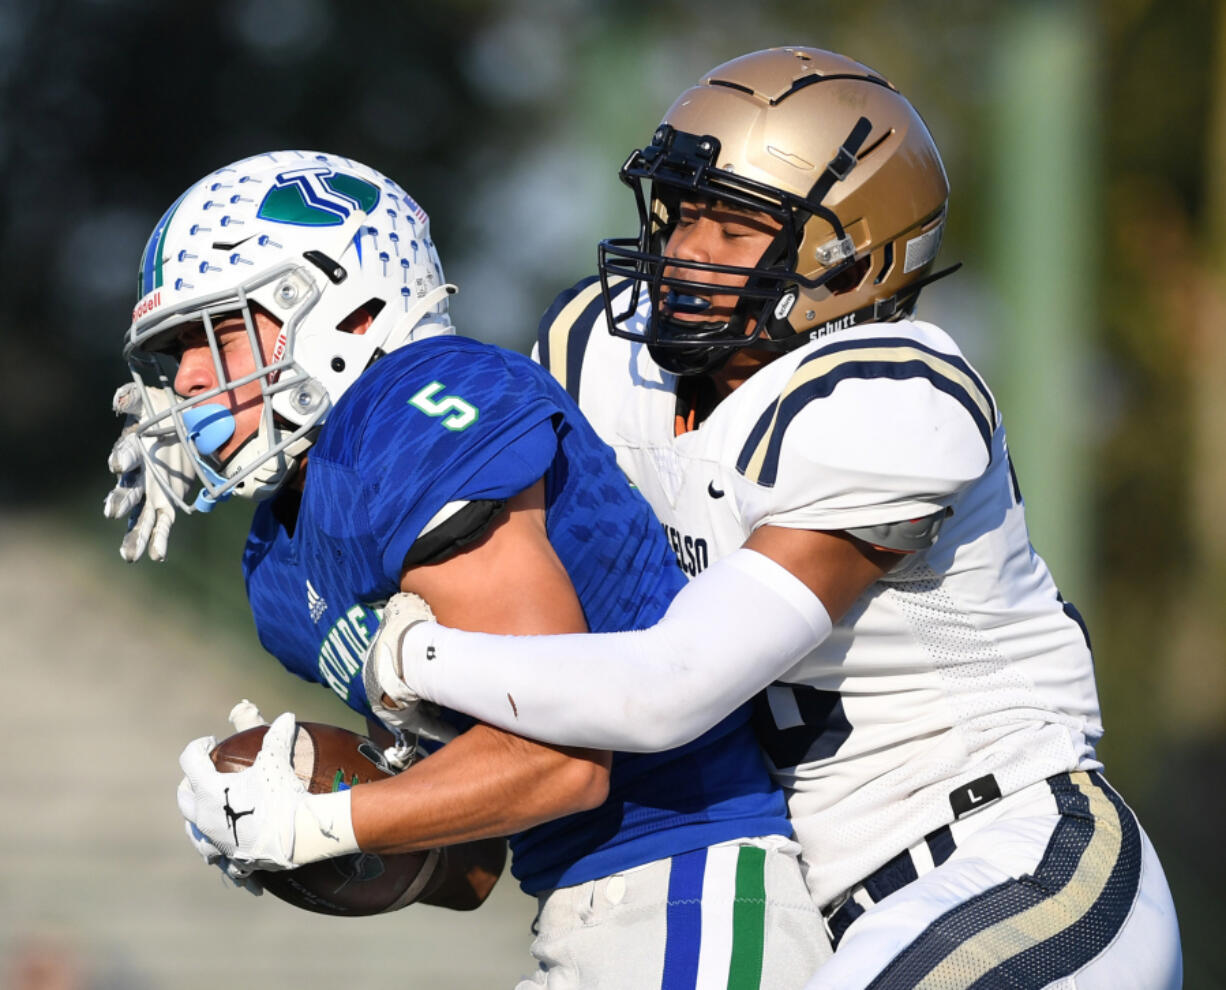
(878, 311)
(698, 358)
(404, 331)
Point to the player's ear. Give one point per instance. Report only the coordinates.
(359, 321)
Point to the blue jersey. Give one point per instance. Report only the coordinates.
(446, 420)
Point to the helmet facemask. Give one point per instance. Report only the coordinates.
(678, 166)
(203, 422)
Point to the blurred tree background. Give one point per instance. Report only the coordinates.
(1086, 147)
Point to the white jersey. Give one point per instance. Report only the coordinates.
(962, 675)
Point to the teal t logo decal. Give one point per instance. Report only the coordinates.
(317, 196)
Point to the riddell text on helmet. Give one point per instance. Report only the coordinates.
(147, 305)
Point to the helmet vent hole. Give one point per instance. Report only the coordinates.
(338, 364)
(865, 152)
(887, 263)
(731, 85)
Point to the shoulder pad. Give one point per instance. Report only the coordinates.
(566, 327)
(819, 375)
(908, 536)
(455, 526)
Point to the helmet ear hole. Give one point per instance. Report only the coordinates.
(850, 278)
(359, 321)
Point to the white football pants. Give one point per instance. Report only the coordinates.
(1055, 886)
(735, 916)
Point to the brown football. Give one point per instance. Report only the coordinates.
(328, 758)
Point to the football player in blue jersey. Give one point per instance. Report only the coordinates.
(834, 475)
(291, 344)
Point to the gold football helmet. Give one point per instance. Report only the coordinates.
(817, 141)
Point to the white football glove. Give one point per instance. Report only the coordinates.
(149, 508)
(263, 817)
(245, 715)
(393, 701)
(238, 875)
(242, 716)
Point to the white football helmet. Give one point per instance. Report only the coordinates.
(311, 239)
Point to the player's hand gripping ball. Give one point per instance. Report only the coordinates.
(328, 758)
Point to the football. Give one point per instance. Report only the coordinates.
(329, 758)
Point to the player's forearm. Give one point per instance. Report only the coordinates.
(483, 784)
(728, 634)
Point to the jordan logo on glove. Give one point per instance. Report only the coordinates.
(233, 816)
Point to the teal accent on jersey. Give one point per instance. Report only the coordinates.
(456, 413)
(381, 469)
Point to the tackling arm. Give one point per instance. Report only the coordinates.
(733, 630)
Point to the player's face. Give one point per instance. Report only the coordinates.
(197, 373)
(716, 233)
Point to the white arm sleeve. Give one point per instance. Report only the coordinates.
(730, 632)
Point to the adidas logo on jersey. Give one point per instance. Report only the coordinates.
(315, 603)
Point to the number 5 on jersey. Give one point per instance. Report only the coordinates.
(460, 415)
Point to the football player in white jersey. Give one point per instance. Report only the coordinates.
(834, 476)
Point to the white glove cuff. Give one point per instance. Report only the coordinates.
(323, 827)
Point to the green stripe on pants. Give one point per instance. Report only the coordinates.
(748, 920)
